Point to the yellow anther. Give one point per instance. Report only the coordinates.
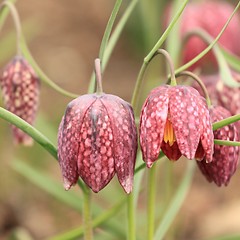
(169, 135)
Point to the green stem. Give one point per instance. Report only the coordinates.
(138, 85)
(99, 220)
(226, 122)
(98, 75)
(166, 32)
(23, 49)
(222, 63)
(41, 74)
(4, 14)
(170, 63)
(117, 32)
(87, 220)
(151, 195)
(16, 20)
(131, 217)
(199, 81)
(30, 130)
(108, 29)
(226, 143)
(105, 40)
(206, 50)
(151, 54)
(176, 202)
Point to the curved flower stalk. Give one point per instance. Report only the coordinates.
(20, 91)
(97, 138)
(225, 158)
(221, 94)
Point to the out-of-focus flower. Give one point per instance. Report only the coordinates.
(225, 158)
(220, 93)
(20, 91)
(97, 138)
(211, 17)
(176, 120)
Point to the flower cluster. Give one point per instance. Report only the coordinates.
(97, 136)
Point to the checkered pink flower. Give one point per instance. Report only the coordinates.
(97, 138)
(20, 91)
(176, 120)
(225, 158)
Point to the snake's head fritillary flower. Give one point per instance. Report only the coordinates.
(225, 158)
(175, 119)
(97, 138)
(20, 91)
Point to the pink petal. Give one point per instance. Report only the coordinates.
(207, 138)
(152, 123)
(125, 139)
(185, 118)
(96, 147)
(172, 152)
(68, 138)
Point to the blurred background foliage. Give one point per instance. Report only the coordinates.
(64, 38)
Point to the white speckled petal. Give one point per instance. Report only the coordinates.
(125, 139)
(185, 118)
(96, 147)
(68, 138)
(152, 123)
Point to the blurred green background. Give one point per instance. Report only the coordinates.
(64, 38)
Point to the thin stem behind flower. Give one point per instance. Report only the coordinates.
(151, 201)
(199, 81)
(87, 220)
(16, 22)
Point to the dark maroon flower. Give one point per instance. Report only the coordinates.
(97, 138)
(220, 93)
(176, 120)
(20, 90)
(210, 16)
(225, 158)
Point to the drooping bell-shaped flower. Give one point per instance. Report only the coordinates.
(175, 119)
(97, 138)
(20, 91)
(225, 158)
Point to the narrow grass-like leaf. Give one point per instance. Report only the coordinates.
(4, 13)
(210, 46)
(113, 40)
(105, 40)
(176, 202)
(232, 60)
(46, 183)
(233, 237)
(103, 218)
(30, 130)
